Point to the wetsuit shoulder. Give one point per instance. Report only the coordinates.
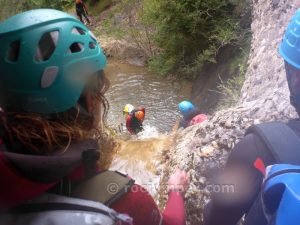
(139, 204)
(249, 149)
(133, 125)
(198, 119)
(80, 5)
(192, 113)
(295, 126)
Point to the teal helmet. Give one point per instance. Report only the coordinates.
(185, 107)
(289, 48)
(46, 59)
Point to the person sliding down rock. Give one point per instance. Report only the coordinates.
(263, 145)
(134, 121)
(191, 114)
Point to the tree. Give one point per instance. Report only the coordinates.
(191, 32)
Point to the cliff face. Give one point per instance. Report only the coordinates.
(265, 83)
(264, 97)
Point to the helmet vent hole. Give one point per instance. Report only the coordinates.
(76, 47)
(92, 45)
(93, 36)
(49, 76)
(79, 31)
(14, 51)
(46, 46)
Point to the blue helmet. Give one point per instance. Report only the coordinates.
(289, 48)
(185, 107)
(281, 195)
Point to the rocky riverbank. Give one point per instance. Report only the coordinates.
(264, 97)
(123, 50)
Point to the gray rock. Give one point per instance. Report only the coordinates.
(264, 97)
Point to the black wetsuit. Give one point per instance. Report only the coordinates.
(184, 122)
(240, 171)
(81, 11)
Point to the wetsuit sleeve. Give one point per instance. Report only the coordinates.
(128, 124)
(139, 204)
(174, 213)
(227, 207)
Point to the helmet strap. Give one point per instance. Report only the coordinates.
(84, 111)
(295, 101)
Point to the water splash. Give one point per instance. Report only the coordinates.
(148, 132)
(140, 157)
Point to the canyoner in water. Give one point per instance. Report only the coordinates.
(266, 197)
(135, 119)
(126, 110)
(52, 88)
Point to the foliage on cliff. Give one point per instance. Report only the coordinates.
(192, 32)
(178, 36)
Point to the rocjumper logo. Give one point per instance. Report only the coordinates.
(113, 188)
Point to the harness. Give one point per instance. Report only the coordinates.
(59, 198)
(280, 139)
(284, 144)
(106, 187)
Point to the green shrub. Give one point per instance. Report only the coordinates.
(190, 33)
(230, 90)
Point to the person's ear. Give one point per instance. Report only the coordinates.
(90, 102)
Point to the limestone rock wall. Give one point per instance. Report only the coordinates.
(264, 97)
(265, 79)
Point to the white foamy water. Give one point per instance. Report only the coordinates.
(148, 132)
(140, 156)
